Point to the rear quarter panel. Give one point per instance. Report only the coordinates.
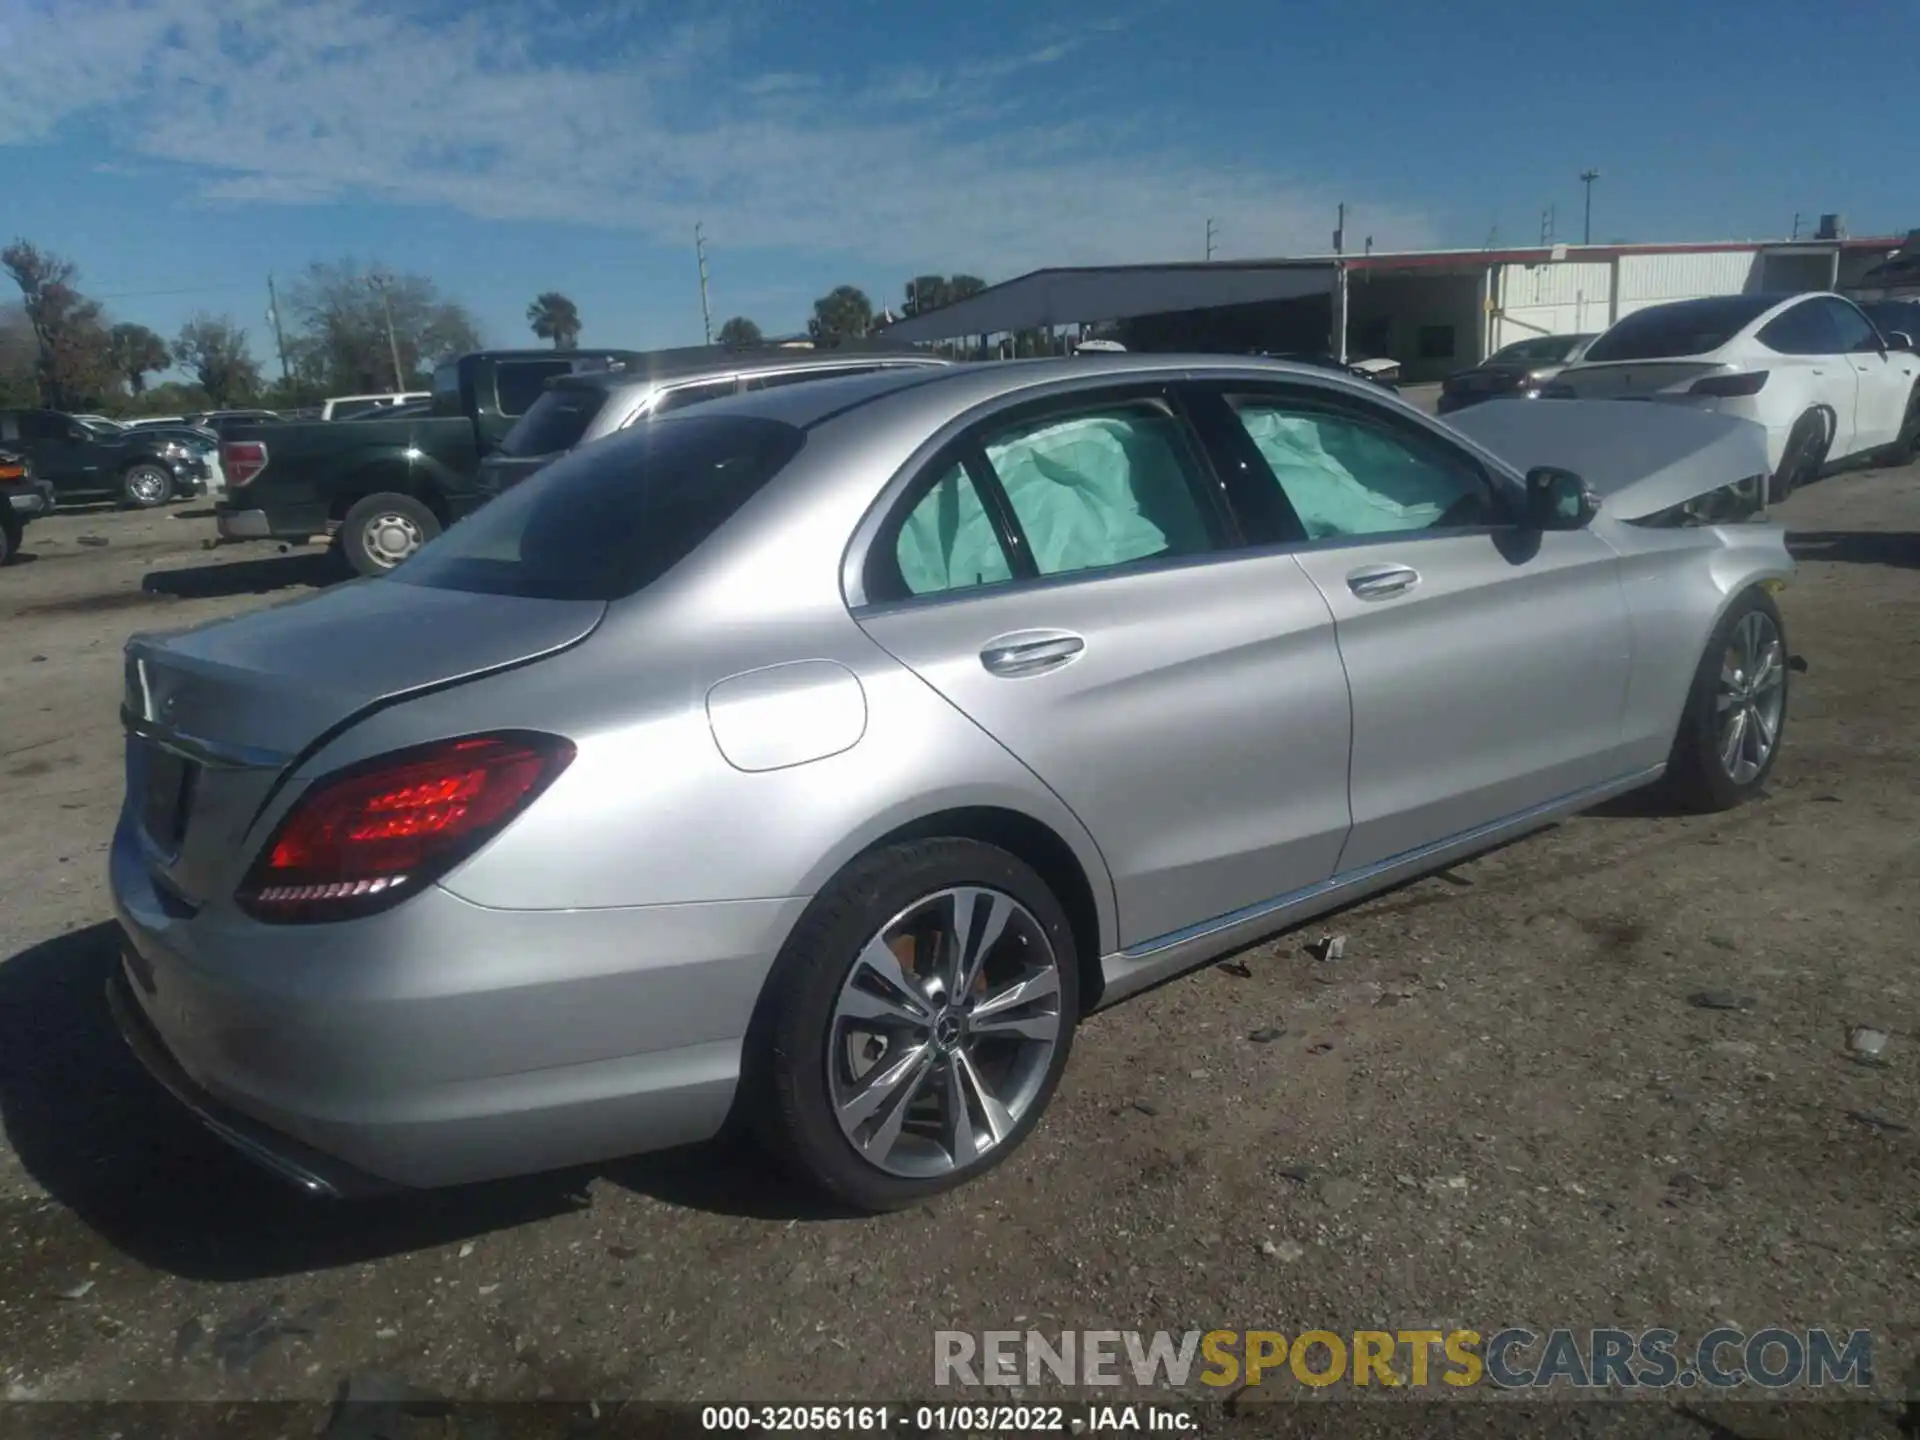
(339, 461)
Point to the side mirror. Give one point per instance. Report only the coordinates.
(1900, 340)
(1559, 500)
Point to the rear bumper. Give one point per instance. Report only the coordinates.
(29, 501)
(441, 1042)
(236, 522)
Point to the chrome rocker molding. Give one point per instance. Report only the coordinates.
(1140, 967)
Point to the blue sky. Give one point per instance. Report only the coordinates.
(179, 150)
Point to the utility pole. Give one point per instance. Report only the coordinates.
(700, 251)
(279, 336)
(380, 283)
(1587, 177)
(1340, 230)
(1546, 225)
(1796, 224)
(1212, 230)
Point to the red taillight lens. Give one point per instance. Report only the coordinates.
(371, 835)
(242, 460)
(1730, 385)
(12, 472)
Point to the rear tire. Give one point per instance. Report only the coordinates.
(384, 530)
(12, 532)
(1723, 753)
(1800, 462)
(980, 1058)
(145, 486)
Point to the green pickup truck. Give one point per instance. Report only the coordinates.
(387, 486)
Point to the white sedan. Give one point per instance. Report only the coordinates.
(1813, 369)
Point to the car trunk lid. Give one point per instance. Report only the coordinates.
(1632, 379)
(217, 715)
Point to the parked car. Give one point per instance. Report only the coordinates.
(202, 445)
(577, 409)
(341, 406)
(220, 419)
(1513, 372)
(387, 485)
(1812, 369)
(81, 462)
(1375, 370)
(822, 755)
(22, 498)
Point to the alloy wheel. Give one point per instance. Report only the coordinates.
(147, 485)
(944, 1031)
(1750, 698)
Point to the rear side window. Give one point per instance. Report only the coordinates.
(518, 383)
(1806, 329)
(1686, 327)
(556, 422)
(611, 519)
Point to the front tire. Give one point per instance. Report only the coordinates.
(920, 1016)
(145, 486)
(382, 531)
(1736, 713)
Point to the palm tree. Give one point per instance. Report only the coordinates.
(554, 317)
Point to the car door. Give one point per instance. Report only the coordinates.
(1067, 577)
(69, 463)
(1487, 663)
(1813, 372)
(1884, 379)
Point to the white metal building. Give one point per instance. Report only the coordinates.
(1434, 311)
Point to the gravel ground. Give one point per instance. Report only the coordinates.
(1500, 1108)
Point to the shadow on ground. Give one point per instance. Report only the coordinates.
(1899, 548)
(112, 1147)
(313, 570)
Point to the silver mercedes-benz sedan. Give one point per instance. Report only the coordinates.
(821, 756)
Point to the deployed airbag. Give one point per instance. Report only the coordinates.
(1319, 484)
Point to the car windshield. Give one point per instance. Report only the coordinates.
(1687, 327)
(556, 422)
(612, 519)
(1547, 350)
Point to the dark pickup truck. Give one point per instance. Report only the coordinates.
(387, 485)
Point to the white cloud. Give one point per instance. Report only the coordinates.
(496, 113)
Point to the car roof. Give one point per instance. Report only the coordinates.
(662, 366)
(956, 388)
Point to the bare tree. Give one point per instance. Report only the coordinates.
(138, 353)
(341, 341)
(75, 362)
(214, 349)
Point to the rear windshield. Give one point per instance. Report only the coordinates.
(1686, 327)
(612, 519)
(556, 422)
(1548, 350)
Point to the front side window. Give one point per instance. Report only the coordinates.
(1347, 476)
(1102, 488)
(518, 383)
(1854, 332)
(1806, 329)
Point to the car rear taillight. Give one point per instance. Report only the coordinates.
(242, 460)
(1747, 384)
(10, 471)
(366, 837)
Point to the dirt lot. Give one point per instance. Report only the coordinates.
(1500, 1108)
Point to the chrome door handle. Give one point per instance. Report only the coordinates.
(1381, 581)
(1033, 652)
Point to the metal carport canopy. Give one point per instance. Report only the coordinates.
(1116, 292)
